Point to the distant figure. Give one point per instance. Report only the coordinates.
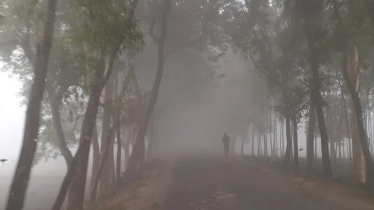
(226, 144)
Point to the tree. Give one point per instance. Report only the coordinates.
(22, 175)
(351, 75)
(102, 38)
(137, 151)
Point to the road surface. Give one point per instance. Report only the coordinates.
(234, 184)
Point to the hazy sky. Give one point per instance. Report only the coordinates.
(12, 116)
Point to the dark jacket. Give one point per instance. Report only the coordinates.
(226, 141)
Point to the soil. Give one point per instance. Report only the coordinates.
(215, 183)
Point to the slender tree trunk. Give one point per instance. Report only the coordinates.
(295, 145)
(348, 131)
(96, 155)
(289, 143)
(371, 133)
(340, 141)
(316, 84)
(253, 138)
(282, 138)
(127, 146)
(275, 138)
(104, 185)
(242, 145)
(264, 133)
(270, 139)
(310, 139)
(259, 142)
(351, 74)
(78, 170)
(151, 139)
(18, 188)
(106, 154)
(153, 98)
(119, 151)
(54, 102)
(315, 146)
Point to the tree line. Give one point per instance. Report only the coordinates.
(85, 85)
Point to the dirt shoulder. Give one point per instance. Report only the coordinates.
(323, 190)
(144, 194)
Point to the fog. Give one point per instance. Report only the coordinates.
(96, 93)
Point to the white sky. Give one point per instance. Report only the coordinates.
(12, 116)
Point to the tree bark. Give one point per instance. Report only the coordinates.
(54, 102)
(242, 145)
(77, 174)
(16, 197)
(151, 140)
(310, 138)
(253, 139)
(316, 84)
(348, 132)
(119, 151)
(289, 143)
(104, 157)
(96, 155)
(126, 145)
(295, 145)
(135, 156)
(360, 143)
(104, 184)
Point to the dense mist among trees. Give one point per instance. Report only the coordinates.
(116, 83)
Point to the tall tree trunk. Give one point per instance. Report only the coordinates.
(289, 143)
(270, 139)
(119, 150)
(242, 145)
(340, 140)
(264, 133)
(18, 188)
(104, 184)
(282, 138)
(96, 155)
(150, 139)
(351, 74)
(54, 102)
(135, 156)
(348, 131)
(77, 174)
(253, 138)
(78, 169)
(295, 145)
(104, 157)
(259, 143)
(359, 138)
(310, 139)
(316, 84)
(275, 140)
(127, 145)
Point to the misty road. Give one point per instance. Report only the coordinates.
(232, 184)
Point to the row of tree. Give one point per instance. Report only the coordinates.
(101, 85)
(96, 62)
(313, 55)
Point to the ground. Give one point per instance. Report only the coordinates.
(214, 183)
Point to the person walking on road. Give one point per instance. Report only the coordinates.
(226, 144)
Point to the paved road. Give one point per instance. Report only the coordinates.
(219, 184)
